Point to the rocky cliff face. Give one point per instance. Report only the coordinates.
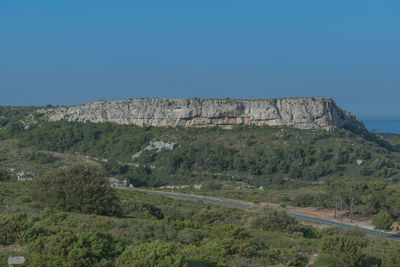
(303, 113)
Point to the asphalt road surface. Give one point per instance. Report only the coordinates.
(298, 216)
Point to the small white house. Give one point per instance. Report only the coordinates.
(117, 183)
(359, 161)
(22, 176)
(197, 186)
(176, 186)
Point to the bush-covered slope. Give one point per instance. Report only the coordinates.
(159, 231)
(154, 230)
(258, 155)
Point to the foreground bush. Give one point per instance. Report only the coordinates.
(156, 253)
(11, 226)
(348, 249)
(325, 260)
(392, 257)
(272, 220)
(288, 256)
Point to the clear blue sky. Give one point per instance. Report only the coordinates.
(71, 52)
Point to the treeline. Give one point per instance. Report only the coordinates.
(355, 197)
(104, 140)
(297, 161)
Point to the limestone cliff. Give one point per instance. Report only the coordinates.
(303, 113)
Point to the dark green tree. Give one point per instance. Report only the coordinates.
(78, 188)
(382, 221)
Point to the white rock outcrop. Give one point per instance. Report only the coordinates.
(302, 113)
(157, 145)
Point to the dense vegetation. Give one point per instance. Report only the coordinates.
(70, 216)
(272, 157)
(258, 155)
(157, 231)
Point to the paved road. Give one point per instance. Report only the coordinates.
(298, 216)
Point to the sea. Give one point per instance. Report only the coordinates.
(382, 124)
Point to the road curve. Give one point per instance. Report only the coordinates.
(298, 216)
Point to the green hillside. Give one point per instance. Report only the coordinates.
(68, 215)
(260, 156)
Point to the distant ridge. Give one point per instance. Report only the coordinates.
(302, 113)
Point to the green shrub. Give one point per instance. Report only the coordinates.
(272, 220)
(11, 226)
(304, 200)
(334, 230)
(93, 247)
(288, 256)
(391, 258)
(348, 249)
(189, 236)
(76, 249)
(207, 254)
(326, 260)
(230, 231)
(155, 253)
(141, 210)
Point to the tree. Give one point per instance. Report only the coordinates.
(392, 201)
(78, 188)
(382, 221)
(353, 190)
(336, 192)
